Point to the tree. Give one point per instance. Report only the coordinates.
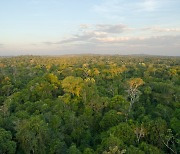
(124, 132)
(111, 118)
(110, 142)
(120, 104)
(89, 90)
(74, 150)
(134, 150)
(89, 104)
(88, 151)
(6, 144)
(147, 148)
(73, 85)
(168, 139)
(32, 135)
(140, 132)
(114, 150)
(133, 91)
(57, 146)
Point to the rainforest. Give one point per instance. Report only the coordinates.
(90, 104)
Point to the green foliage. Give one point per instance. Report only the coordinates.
(6, 144)
(73, 150)
(89, 104)
(32, 135)
(110, 141)
(149, 149)
(134, 150)
(124, 132)
(88, 151)
(57, 146)
(175, 125)
(111, 118)
(72, 85)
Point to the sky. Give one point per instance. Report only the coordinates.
(58, 27)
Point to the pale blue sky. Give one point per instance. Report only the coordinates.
(55, 27)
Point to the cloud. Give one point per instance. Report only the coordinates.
(161, 29)
(48, 43)
(74, 39)
(157, 45)
(167, 40)
(100, 31)
(119, 34)
(121, 8)
(85, 37)
(107, 37)
(85, 26)
(119, 28)
(79, 38)
(164, 41)
(117, 39)
(148, 5)
(105, 44)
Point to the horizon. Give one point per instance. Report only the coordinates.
(116, 27)
(88, 54)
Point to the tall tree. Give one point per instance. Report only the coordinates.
(133, 91)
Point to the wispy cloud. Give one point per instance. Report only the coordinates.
(116, 39)
(123, 10)
(148, 5)
(85, 26)
(117, 8)
(121, 34)
(113, 28)
(161, 45)
(90, 35)
(48, 43)
(166, 40)
(161, 29)
(100, 31)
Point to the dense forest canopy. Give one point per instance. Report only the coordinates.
(89, 104)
